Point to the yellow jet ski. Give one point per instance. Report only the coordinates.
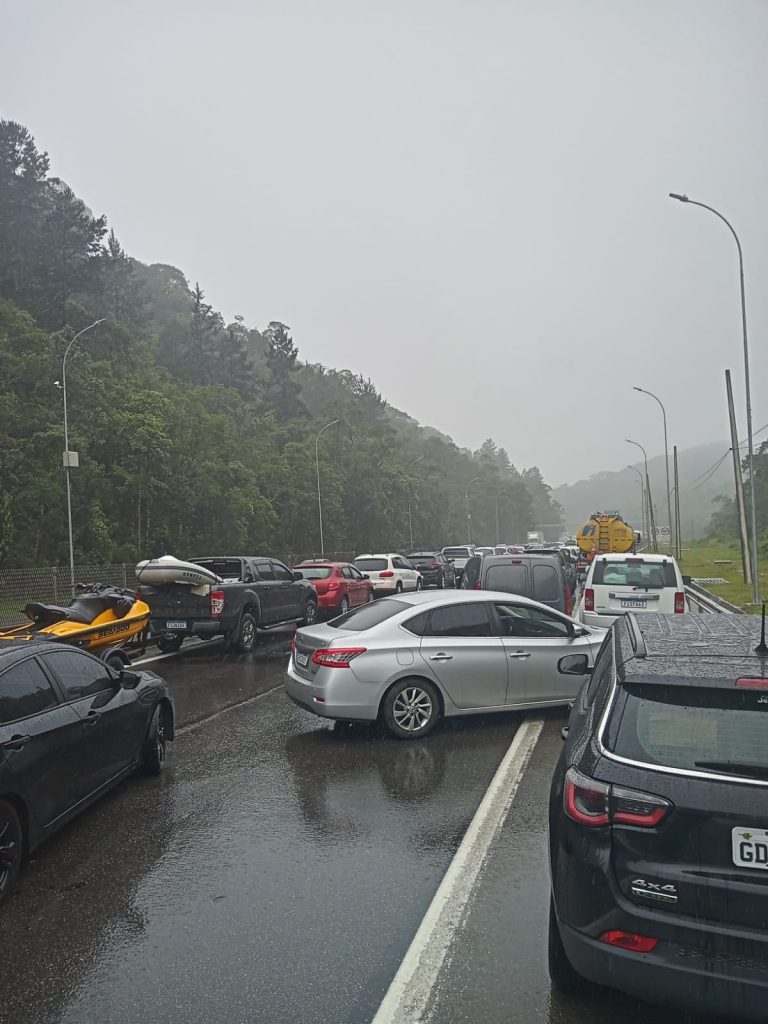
(100, 619)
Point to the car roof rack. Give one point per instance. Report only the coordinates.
(636, 636)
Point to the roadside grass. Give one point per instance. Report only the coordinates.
(699, 560)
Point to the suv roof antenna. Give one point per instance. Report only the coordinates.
(762, 647)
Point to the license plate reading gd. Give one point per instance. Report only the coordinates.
(750, 847)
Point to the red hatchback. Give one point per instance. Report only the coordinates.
(339, 585)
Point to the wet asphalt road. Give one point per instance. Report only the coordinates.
(279, 869)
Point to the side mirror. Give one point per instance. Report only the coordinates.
(298, 575)
(366, 576)
(129, 680)
(686, 581)
(564, 733)
(574, 665)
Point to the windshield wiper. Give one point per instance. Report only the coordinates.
(746, 768)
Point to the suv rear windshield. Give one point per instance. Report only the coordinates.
(456, 552)
(314, 572)
(369, 615)
(225, 568)
(685, 727)
(635, 572)
(371, 564)
(422, 558)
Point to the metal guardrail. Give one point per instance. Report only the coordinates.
(702, 600)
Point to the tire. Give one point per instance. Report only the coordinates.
(398, 587)
(441, 582)
(371, 597)
(247, 635)
(411, 709)
(169, 644)
(310, 613)
(562, 975)
(344, 606)
(153, 754)
(11, 847)
(418, 585)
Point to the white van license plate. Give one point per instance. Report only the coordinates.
(302, 659)
(633, 602)
(176, 624)
(750, 847)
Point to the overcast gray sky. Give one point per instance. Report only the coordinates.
(465, 201)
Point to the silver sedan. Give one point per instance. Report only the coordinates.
(409, 660)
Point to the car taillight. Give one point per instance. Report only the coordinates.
(217, 602)
(631, 807)
(752, 684)
(386, 574)
(293, 643)
(568, 601)
(679, 603)
(589, 600)
(435, 565)
(338, 657)
(629, 940)
(585, 800)
(596, 804)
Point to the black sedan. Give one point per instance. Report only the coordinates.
(71, 728)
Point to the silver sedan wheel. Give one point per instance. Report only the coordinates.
(412, 709)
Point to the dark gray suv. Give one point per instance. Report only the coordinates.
(539, 577)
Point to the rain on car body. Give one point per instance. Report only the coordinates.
(415, 658)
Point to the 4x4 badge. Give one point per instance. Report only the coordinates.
(660, 893)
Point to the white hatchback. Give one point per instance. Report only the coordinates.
(617, 584)
(389, 574)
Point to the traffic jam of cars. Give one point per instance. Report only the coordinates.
(658, 815)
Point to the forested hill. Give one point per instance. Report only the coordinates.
(191, 431)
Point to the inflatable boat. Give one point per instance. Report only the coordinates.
(167, 569)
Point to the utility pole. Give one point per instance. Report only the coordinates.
(678, 541)
(469, 514)
(317, 467)
(746, 566)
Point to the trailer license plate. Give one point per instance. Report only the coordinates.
(633, 602)
(176, 624)
(302, 659)
(750, 847)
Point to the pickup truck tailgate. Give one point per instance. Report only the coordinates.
(175, 602)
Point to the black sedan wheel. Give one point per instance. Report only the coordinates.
(153, 755)
(411, 709)
(441, 582)
(11, 847)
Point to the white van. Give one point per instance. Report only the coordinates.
(617, 584)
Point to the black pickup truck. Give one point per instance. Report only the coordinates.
(255, 593)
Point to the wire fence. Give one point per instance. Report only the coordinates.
(51, 584)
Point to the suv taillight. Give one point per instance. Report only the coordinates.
(596, 804)
(589, 600)
(337, 657)
(679, 603)
(568, 601)
(217, 602)
(386, 574)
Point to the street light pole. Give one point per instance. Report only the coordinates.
(642, 499)
(651, 518)
(750, 443)
(498, 538)
(410, 517)
(469, 517)
(317, 467)
(666, 462)
(67, 453)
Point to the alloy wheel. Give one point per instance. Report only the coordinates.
(10, 850)
(249, 634)
(310, 613)
(412, 709)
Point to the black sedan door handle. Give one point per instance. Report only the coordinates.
(16, 742)
(91, 717)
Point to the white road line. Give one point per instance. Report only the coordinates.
(224, 711)
(175, 654)
(408, 996)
